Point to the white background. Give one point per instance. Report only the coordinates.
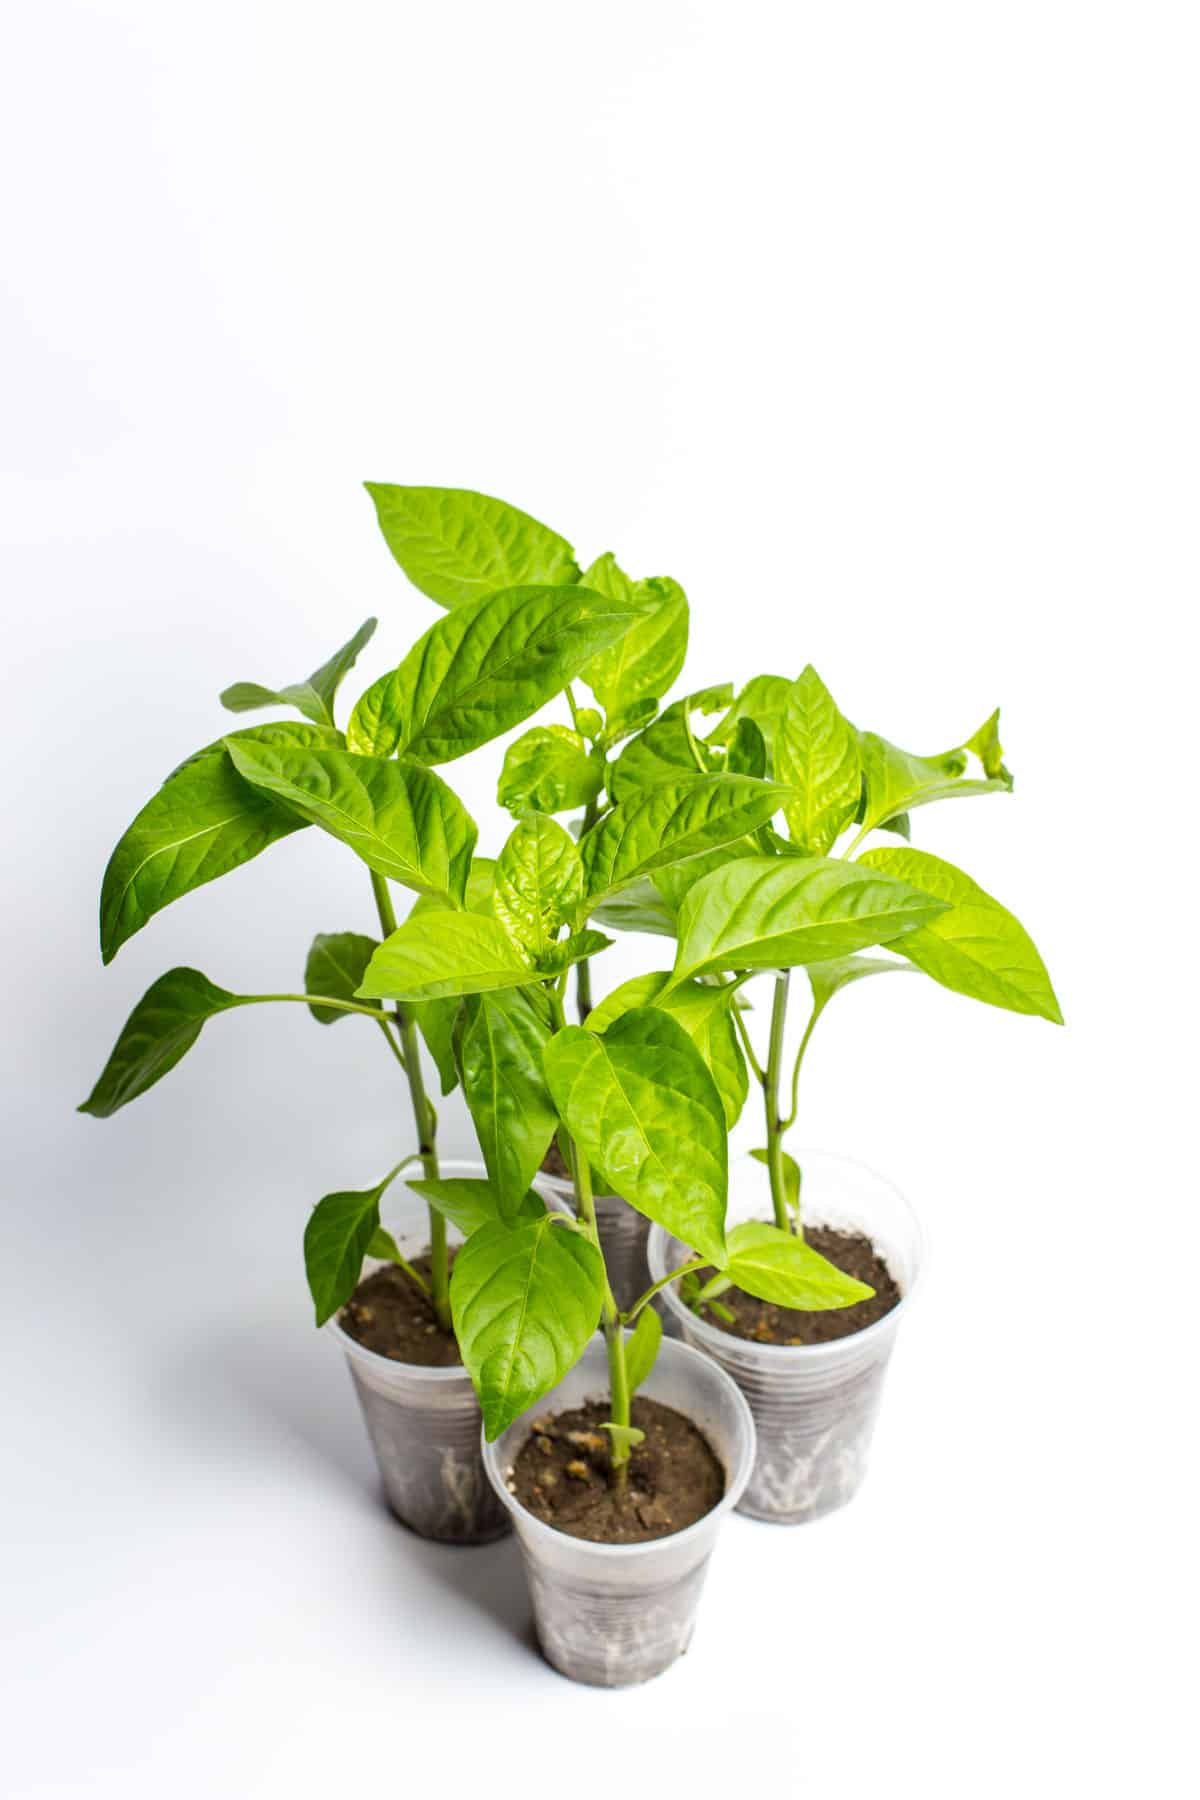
(876, 326)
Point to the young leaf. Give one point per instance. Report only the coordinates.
(704, 1012)
(400, 818)
(641, 1348)
(748, 751)
(622, 724)
(203, 822)
(336, 964)
(525, 1301)
(816, 750)
(577, 948)
(896, 780)
(469, 1205)
(162, 1027)
(977, 948)
(538, 882)
(639, 907)
(763, 699)
(649, 657)
(987, 747)
(828, 978)
(549, 770)
(643, 1107)
(484, 668)
(670, 824)
(384, 1246)
(791, 1176)
(768, 912)
(624, 1438)
(339, 1233)
(663, 752)
(506, 1091)
(314, 697)
(456, 545)
(781, 1268)
(442, 953)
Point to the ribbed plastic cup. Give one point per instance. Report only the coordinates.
(623, 1237)
(424, 1423)
(814, 1405)
(612, 1615)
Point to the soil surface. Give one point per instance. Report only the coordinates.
(390, 1315)
(763, 1323)
(563, 1475)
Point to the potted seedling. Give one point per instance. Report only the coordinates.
(443, 539)
(814, 899)
(511, 642)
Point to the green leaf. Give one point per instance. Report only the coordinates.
(336, 964)
(816, 750)
(384, 1246)
(763, 699)
(781, 1268)
(161, 1029)
(469, 1204)
(662, 753)
(704, 1011)
(766, 912)
(577, 948)
(623, 724)
(977, 948)
(639, 908)
(791, 1176)
(897, 781)
(677, 882)
(435, 1020)
(643, 1107)
(506, 1091)
(340, 1232)
(649, 657)
(538, 883)
(641, 1348)
(588, 722)
(525, 1301)
(624, 1437)
(203, 822)
(551, 769)
(314, 697)
(829, 978)
(456, 545)
(442, 953)
(987, 747)
(748, 752)
(400, 818)
(670, 824)
(484, 668)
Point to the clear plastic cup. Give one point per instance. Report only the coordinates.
(814, 1405)
(424, 1423)
(623, 1237)
(615, 1614)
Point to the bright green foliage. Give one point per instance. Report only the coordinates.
(897, 781)
(576, 948)
(549, 770)
(816, 750)
(704, 1011)
(976, 948)
(336, 964)
(203, 822)
(162, 1027)
(443, 953)
(482, 669)
(648, 659)
(505, 1088)
(780, 1267)
(538, 883)
(526, 1300)
(341, 1230)
(780, 912)
(748, 751)
(829, 978)
(642, 1106)
(670, 824)
(639, 907)
(791, 1175)
(641, 1347)
(663, 752)
(457, 546)
(469, 1204)
(314, 697)
(400, 818)
(764, 700)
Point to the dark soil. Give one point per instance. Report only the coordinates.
(390, 1315)
(854, 1255)
(563, 1475)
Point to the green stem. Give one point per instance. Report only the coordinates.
(771, 1102)
(372, 1012)
(693, 746)
(424, 1119)
(583, 970)
(614, 1330)
(644, 1300)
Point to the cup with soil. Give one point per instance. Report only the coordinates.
(615, 1573)
(623, 1230)
(420, 1408)
(813, 1380)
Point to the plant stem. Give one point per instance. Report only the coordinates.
(583, 970)
(808, 1031)
(372, 1012)
(424, 1119)
(771, 1102)
(614, 1330)
(643, 1300)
